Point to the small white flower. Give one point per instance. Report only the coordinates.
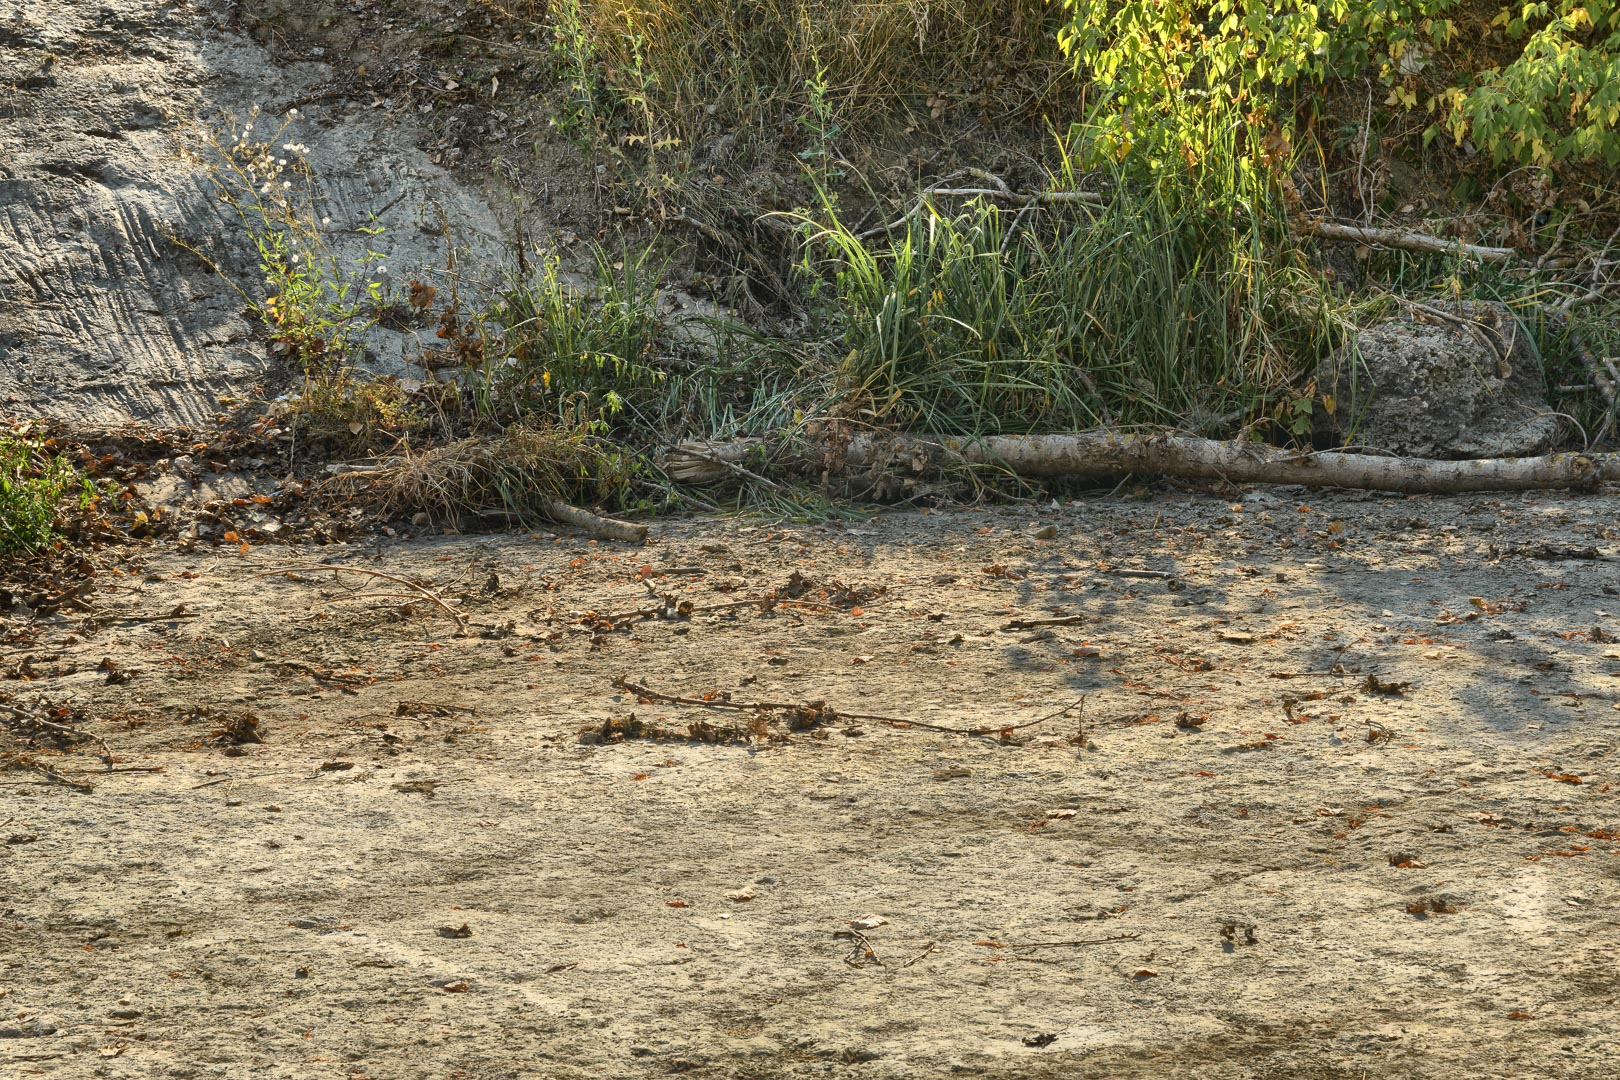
(326, 221)
(281, 161)
(291, 113)
(382, 271)
(285, 184)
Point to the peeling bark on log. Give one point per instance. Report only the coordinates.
(1101, 455)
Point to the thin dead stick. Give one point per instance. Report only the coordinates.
(235, 779)
(930, 947)
(103, 618)
(320, 676)
(1027, 624)
(422, 590)
(1356, 234)
(862, 952)
(1074, 944)
(51, 774)
(649, 694)
(1304, 674)
(764, 602)
(1000, 190)
(1125, 572)
(54, 728)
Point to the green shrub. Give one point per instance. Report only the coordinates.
(33, 487)
(1558, 100)
(572, 351)
(1537, 83)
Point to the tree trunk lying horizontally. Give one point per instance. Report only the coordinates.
(1101, 454)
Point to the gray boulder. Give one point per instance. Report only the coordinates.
(1449, 381)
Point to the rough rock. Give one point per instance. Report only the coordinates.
(1467, 383)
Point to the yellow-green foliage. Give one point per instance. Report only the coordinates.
(1536, 83)
(34, 484)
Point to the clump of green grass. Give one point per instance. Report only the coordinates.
(601, 352)
(1159, 306)
(570, 349)
(35, 487)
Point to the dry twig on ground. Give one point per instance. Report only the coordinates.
(421, 590)
(651, 695)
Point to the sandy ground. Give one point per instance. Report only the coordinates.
(1341, 801)
(1306, 877)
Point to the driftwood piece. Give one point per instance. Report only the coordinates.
(1396, 238)
(1102, 454)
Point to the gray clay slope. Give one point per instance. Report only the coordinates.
(104, 317)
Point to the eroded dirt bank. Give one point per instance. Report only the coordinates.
(1254, 862)
(122, 275)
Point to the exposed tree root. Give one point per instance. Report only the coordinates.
(1103, 454)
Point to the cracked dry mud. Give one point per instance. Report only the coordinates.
(1307, 876)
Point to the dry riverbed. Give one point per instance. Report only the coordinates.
(1342, 801)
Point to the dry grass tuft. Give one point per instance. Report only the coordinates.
(683, 70)
(517, 475)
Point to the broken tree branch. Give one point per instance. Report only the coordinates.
(1395, 238)
(596, 526)
(701, 453)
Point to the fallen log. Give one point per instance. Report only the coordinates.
(1101, 455)
(631, 532)
(1357, 234)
